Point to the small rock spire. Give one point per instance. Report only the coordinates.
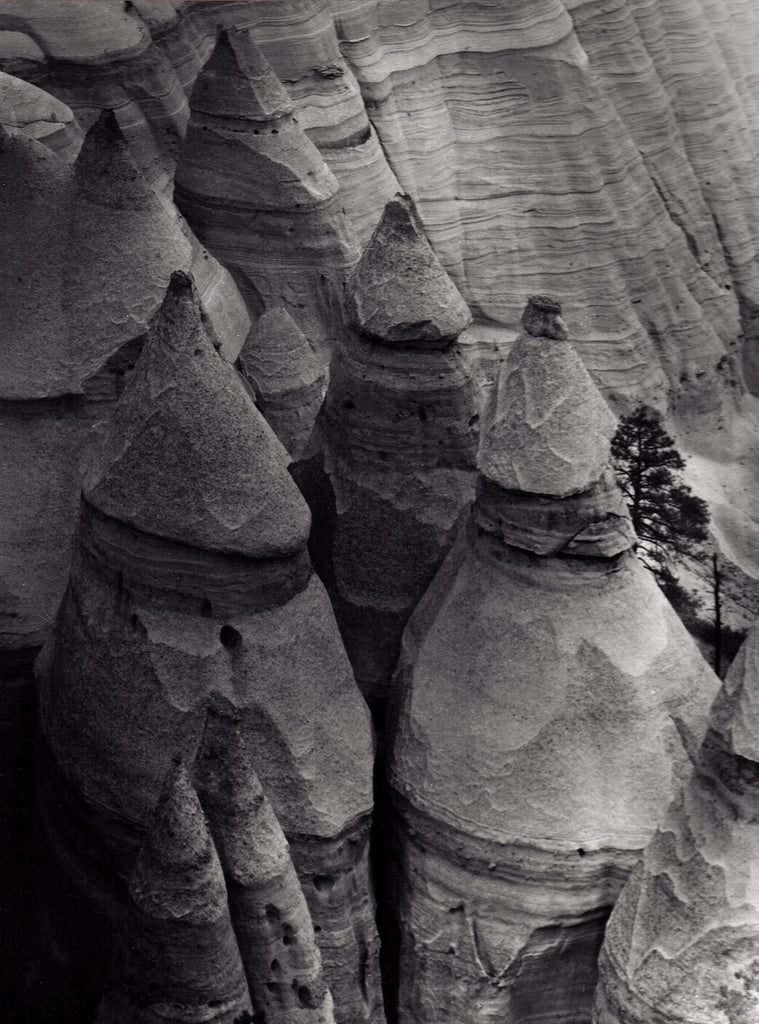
(177, 946)
(269, 912)
(400, 293)
(105, 170)
(542, 318)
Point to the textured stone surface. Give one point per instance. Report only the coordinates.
(246, 161)
(169, 613)
(552, 429)
(269, 911)
(400, 434)
(287, 378)
(541, 712)
(27, 110)
(178, 954)
(683, 941)
(87, 258)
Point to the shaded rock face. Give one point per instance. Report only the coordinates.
(247, 162)
(191, 588)
(540, 711)
(286, 376)
(682, 943)
(271, 918)
(178, 957)
(400, 434)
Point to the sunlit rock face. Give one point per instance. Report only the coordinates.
(542, 704)
(34, 113)
(258, 193)
(191, 588)
(177, 953)
(400, 435)
(682, 944)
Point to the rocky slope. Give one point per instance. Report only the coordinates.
(683, 941)
(191, 589)
(543, 704)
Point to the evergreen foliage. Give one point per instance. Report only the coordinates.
(668, 517)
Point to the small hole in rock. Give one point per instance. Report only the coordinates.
(347, 404)
(275, 965)
(324, 883)
(230, 638)
(134, 623)
(304, 996)
(206, 609)
(272, 914)
(581, 852)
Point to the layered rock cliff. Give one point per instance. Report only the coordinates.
(543, 702)
(191, 589)
(682, 943)
(400, 435)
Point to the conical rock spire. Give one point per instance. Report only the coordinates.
(237, 82)
(400, 293)
(682, 943)
(187, 456)
(551, 431)
(178, 956)
(269, 911)
(576, 694)
(106, 171)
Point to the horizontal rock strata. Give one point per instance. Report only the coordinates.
(191, 587)
(401, 432)
(683, 941)
(246, 161)
(29, 111)
(544, 698)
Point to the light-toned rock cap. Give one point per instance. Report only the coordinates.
(551, 430)
(238, 82)
(187, 455)
(400, 291)
(735, 715)
(177, 873)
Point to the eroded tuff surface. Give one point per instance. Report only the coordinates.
(258, 193)
(400, 435)
(683, 941)
(270, 914)
(191, 588)
(543, 698)
(177, 953)
(287, 377)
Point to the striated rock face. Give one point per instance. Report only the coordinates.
(400, 435)
(286, 376)
(246, 161)
(178, 955)
(191, 587)
(682, 944)
(271, 918)
(543, 700)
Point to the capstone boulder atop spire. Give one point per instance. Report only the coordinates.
(187, 456)
(551, 430)
(238, 82)
(400, 292)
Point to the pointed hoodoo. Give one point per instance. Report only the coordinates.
(178, 958)
(682, 943)
(258, 193)
(106, 172)
(401, 431)
(287, 377)
(191, 583)
(269, 912)
(199, 466)
(571, 683)
(400, 292)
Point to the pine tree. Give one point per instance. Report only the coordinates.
(668, 517)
